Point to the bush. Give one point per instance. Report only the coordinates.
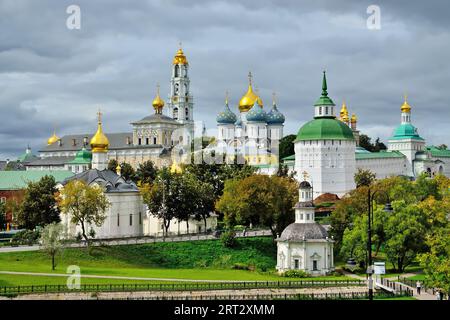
(239, 228)
(228, 239)
(295, 274)
(26, 237)
(264, 267)
(240, 266)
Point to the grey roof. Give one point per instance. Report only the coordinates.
(117, 141)
(51, 161)
(305, 184)
(107, 178)
(157, 118)
(13, 165)
(303, 231)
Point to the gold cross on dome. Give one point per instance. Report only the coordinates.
(99, 115)
(226, 97)
(305, 175)
(157, 88)
(274, 98)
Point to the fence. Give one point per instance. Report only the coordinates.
(396, 286)
(423, 284)
(194, 286)
(288, 296)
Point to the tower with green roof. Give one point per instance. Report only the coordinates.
(406, 138)
(325, 149)
(81, 162)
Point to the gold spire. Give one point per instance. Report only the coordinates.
(180, 58)
(54, 138)
(158, 103)
(99, 142)
(248, 100)
(354, 119)
(118, 170)
(405, 106)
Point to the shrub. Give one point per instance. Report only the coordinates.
(240, 266)
(228, 239)
(295, 274)
(26, 237)
(264, 267)
(239, 228)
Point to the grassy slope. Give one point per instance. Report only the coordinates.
(180, 260)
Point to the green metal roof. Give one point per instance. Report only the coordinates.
(379, 155)
(82, 157)
(405, 131)
(325, 129)
(16, 180)
(27, 157)
(438, 153)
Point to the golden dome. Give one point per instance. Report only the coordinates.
(158, 103)
(248, 100)
(354, 119)
(175, 168)
(180, 58)
(99, 142)
(405, 106)
(343, 115)
(54, 138)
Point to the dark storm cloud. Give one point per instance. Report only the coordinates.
(54, 77)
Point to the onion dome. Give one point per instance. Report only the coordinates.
(305, 185)
(406, 131)
(354, 119)
(226, 116)
(54, 138)
(82, 157)
(158, 103)
(274, 116)
(248, 100)
(257, 114)
(99, 142)
(180, 58)
(406, 108)
(343, 115)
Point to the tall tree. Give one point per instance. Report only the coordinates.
(86, 205)
(287, 146)
(146, 172)
(128, 172)
(39, 207)
(51, 240)
(260, 200)
(364, 177)
(365, 142)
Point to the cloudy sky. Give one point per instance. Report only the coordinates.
(54, 77)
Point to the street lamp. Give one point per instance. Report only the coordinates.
(387, 208)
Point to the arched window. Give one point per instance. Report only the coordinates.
(177, 71)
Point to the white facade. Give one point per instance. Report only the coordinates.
(304, 245)
(154, 226)
(330, 164)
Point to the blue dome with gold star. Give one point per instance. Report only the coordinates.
(226, 116)
(257, 114)
(274, 116)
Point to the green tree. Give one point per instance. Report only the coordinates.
(51, 240)
(39, 207)
(146, 172)
(365, 142)
(86, 205)
(436, 262)
(354, 241)
(287, 146)
(128, 172)
(2, 215)
(364, 177)
(260, 200)
(405, 234)
(112, 165)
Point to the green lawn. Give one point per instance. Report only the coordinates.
(196, 260)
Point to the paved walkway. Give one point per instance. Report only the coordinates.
(141, 240)
(423, 295)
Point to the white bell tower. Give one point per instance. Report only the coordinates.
(181, 102)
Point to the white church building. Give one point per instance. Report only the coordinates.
(305, 245)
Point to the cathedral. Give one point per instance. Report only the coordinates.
(253, 134)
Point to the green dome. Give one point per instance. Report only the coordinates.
(325, 129)
(82, 157)
(406, 131)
